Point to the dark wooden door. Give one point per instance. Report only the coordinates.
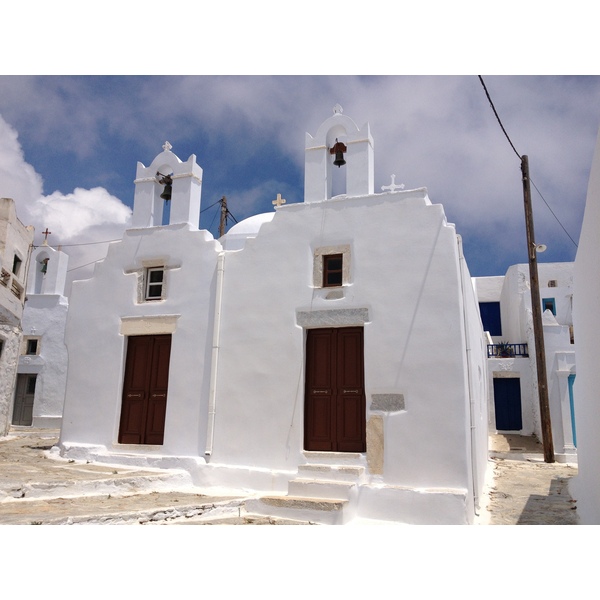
(24, 399)
(145, 390)
(334, 416)
(507, 404)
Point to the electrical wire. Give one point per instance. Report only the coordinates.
(520, 158)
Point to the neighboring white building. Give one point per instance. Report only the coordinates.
(505, 304)
(586, 486)
(333, 350)
(42, 370)
(15, 244)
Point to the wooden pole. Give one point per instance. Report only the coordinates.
(223, 220)
(536, 308)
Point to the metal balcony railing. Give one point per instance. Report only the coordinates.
(503, 350)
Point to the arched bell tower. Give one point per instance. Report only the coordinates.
(185, 181)
(354, 146)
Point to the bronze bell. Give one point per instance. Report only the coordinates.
(167, 181)
(338, 149)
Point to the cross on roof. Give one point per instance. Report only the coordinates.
(278, 201)
(46, 234)
(393, 186)
(167, 146)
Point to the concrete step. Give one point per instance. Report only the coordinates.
(309, 510)
(321, 488)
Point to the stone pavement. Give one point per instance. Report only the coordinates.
(522, 489)
(38, 487)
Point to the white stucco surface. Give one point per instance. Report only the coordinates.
(587, 333)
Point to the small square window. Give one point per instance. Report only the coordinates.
(154, 283)
(32, 346)
(332, 270)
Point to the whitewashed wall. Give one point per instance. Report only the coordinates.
(104, 309)
(409, 283)
(44, 318)
(587, 333)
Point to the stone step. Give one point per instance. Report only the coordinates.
(349, 473)
(335, 458)
(322, 489)
(309, 510)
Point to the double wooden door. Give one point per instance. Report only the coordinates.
(335, 412)
(145, 386)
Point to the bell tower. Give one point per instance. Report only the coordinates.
(167, 179)
(338, 141)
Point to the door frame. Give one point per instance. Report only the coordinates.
(517, 384)
(331, 406)
(147, 436)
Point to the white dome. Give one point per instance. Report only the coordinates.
(236, 237)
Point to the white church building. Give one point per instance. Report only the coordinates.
(330, 352)
(42, 368)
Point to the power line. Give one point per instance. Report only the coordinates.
(86, 265)
(557, 219)
(520, 158)
(497, 116)
(82, 244)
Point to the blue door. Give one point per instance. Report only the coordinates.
(507, 402)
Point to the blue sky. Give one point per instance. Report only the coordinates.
(69, 143)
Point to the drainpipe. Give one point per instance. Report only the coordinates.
(461, 259)
(212, 397)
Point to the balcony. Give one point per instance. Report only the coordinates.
(505, 350)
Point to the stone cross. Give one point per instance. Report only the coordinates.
(337, 110)
(46, 234)
(393, 186)
(167, 146)
(278, 201)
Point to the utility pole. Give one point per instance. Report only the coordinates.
(536, 307)
(223, 220)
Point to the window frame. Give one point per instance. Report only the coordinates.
(319, 253)
(148, 283)
(329, 271)
(32, 346)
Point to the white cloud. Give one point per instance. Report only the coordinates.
(81, 217)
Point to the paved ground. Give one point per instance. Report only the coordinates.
(523, 489)
(36, 487)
